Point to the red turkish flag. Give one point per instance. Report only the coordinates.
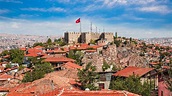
(78, 20)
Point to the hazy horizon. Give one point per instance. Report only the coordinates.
(130, 18)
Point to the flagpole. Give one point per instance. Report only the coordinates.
(80, 26)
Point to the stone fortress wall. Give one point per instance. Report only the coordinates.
(86, 37)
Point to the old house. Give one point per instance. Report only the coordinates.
(58, 62)
(145, 74)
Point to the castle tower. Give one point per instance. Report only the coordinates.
(72, 37)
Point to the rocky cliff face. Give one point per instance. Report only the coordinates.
(121, 57)
(130, 57)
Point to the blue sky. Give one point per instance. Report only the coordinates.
(130, 18)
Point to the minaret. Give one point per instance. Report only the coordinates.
(91, 27)
(96, 28)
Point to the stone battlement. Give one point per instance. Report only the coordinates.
(86, 37)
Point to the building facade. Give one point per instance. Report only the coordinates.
(86, 37)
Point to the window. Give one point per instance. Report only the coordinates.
(101, 86)
(102, 77)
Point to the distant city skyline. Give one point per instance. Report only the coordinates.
(130, 18)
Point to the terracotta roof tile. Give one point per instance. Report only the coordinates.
(90, 51)
(72, 65)
(154, 63)
(59, 59)
(66, 49)
(126, 72)
(59, 51)
(5, 76)
(50, 56)
(2, 89)
(34, 52)
(19, 94)
(23, 48)
(88, 93)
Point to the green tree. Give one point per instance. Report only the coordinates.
(8, 66)
(21, 67)
(16, 56)
(34, 61)
(92, 41)
(4, 53)
(76, 55)
(87, 77)
(49, 41)
(44, 67)
(38, 72)
(116, 35)
(38, 44)
(105, 65)
(131, 84)
(60, 42)
(117, 42)
(115, 68)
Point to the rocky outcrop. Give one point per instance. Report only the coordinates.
(121, 57)
(130, 57)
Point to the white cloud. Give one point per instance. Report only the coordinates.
(92, 7)
(57, 28)
(112, 3)
(159, 9)
(28, 16)
(11, 1)
(52, 9)
(15, 25)
(4, 11)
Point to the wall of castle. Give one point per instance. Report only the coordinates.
(109, 36)
(95, 35)
(86, 37)
(72, 37)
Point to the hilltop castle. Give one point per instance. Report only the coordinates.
(86, 37)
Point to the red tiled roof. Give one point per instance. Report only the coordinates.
(94, 46)
(133, 70)
(66, 49)
(7, 56)
(34, 52)
(90, 51)
(32, 55)
(5, 76)
(3, 63)
(49, 51)
(72, 65)
(51, 93)
(166, 67)
(88, 93)
(4, 89)
(79, 46)
(73, 82)
(59, 51)
(30, 50)
(83, 47)
(23, 48)
(19, 94)
(50, 56)
(59, 59)
(56, 51)
(154, 63)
